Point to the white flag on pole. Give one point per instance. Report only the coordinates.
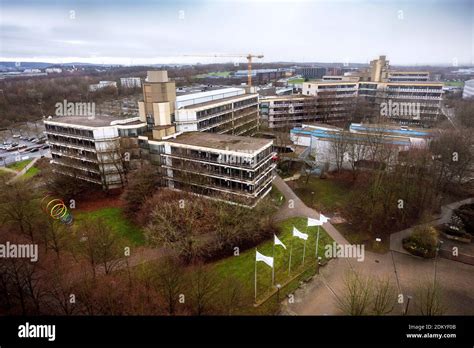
(267, 259)
(279, 242)
(314, 222)
(298, 234)
(323, 218)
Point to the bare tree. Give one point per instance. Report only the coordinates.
(357, 294)
(429, 299)
(384, 297)
(169, 279)
(100, 245)
(203, 288)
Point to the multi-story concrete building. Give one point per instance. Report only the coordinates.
(93, 149)
(408, 76)
(159, 96)
(334, 99)
(468, 90)
(199, 158)
(130, 82)
(311, 72)
(416, 103)
(232, 168)
(223, 111)
(261, 76)
(287, 110)
(403, 97)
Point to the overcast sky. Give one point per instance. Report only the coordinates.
(145, 32)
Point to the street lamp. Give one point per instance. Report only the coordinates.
(408, 302)
(278, 286)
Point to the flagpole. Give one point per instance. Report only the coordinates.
(255, 275)
(291, 250)
(273, 268)
(304, 251)
(317, 245)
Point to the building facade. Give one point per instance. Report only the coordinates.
(130, 82)
(92, 149)
(311, 72)
(468, 90)
(223, 111)
(231, 168)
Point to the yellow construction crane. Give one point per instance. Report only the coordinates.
(248, 56)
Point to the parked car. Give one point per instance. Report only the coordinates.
(16, 136)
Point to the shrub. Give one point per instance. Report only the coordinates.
(423, 242)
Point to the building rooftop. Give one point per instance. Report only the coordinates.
(211, 102)
(222, 141)
(201, 97)
(96, 121)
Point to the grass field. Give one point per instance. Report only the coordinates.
(242, 267)
(329, 195)
(19, 165)
(117, 221)
(31, 172)
(298, 81)
(276, 196)
(454, 83)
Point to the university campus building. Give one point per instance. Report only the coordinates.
(404, 97)
(196, 141)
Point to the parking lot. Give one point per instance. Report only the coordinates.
(25, 142)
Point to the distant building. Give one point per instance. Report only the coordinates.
(54, 70)
(31, 71)
(322, 140)
(262, 76)
(130, 82)
(311, 72)
(101, 85)
(468, 91)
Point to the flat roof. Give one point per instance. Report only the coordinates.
(97, 121)
(221, 141)
(193, 98)
(211, 102)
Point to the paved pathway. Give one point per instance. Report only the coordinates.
(406, 272)
(23, 171)
(446, 211)
(295, 207)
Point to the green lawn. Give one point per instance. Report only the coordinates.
(329, 195)
(298, 81)
(114, 218)
(454, 83)
(19, 165)
(31, 172)
(276, 196)
(242, 267)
